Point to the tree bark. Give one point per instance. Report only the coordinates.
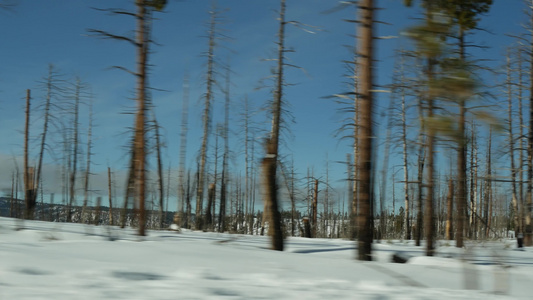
(83, 217)
(29, 187)
(74, 171)
(183, 153)
(110, 196)
(514, 200)
(365, 191)
(140, 122)
(269, 163)
(528, 240)
(159, 171)
(461, 163)
(314, 209)
(449, 210)
(407, 226)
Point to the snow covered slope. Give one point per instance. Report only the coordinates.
(74, 261)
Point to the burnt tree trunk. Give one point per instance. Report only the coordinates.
(365, 63)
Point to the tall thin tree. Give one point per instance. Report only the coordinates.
(366, 86)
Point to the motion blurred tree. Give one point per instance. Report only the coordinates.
(53, 84)
(366, 85)
(29, 188)
(465, 14)
(183, 154)
(141, 43)
(269, 163)
(529, 51)
(450, 78)
(429, 45)
(83, 217)
(210, 82)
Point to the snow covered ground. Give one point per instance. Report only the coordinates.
(73, 261)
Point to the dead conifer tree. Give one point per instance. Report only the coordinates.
(52, 85)
(449, 209)
(160, 179)
(210, 81)
(511, 142)
(75, 147)
(529, 226)
(269, 163)
(88, 165)
(183, 152)
(488, 187)
(407, 225)
(110, 196)
(141, 43)
(366, 85)
(29, 188)
(225, 155)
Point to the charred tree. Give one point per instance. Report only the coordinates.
(365, 191)
(29, 187)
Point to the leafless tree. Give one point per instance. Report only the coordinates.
(142, 43)
(366, 86)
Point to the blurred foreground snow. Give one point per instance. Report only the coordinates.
(74, 261)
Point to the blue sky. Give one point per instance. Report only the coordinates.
(37, 33)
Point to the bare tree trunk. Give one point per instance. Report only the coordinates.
(461, 179)
(449, 208)
(477, 197)
(269, 163)
(351, 181)
(473, 184)
(429, 217)
(270, 188)
(130, 188)
(521, 143)
(140, 122)
(206, 121)
(385, 167)
(83, 217)
(314, 208)
(159, 170)
(211, 198)
(188, 201)
(365, 62)
(254, 182)
(420, 178)
(488, 186)
(50, 86)
(74, 171)
(249, 212)
(12, 195)
(289, 183)
(324, 232)
(29, 188)
(223, 194)
(356, 163)
(183, 151)
(110, 196)
(225, 132)
(293, 200)
(514, 200)
(529, 230)
(407, 225)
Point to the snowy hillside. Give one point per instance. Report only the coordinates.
(74, 261)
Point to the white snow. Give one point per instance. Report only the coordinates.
(74, 261)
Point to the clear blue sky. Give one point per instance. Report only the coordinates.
(37, 33)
